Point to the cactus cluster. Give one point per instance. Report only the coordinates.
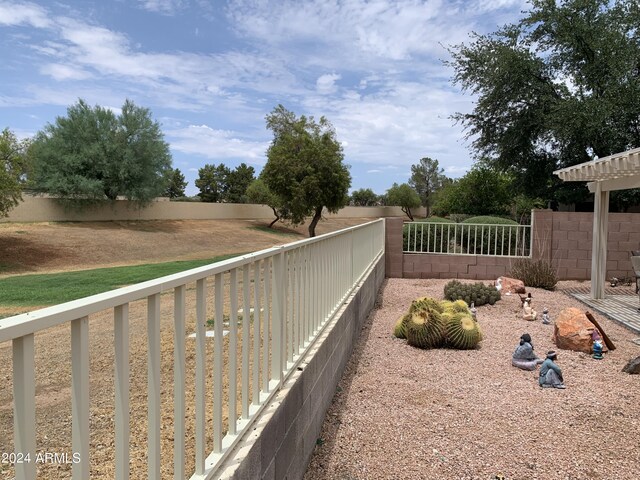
(477, 293)
(431, 324)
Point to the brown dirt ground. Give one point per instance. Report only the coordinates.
(48, 247)
(61, 246)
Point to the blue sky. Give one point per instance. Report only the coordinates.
(210, 71)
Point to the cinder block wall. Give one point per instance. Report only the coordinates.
(572, 239)
(281, 445)
(564, 238)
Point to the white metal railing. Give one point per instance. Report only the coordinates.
(467, 239)
(292, 292)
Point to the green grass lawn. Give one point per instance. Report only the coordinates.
(54, 288)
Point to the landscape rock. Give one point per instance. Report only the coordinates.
(573, 330)
(512, 285)
(632, 367)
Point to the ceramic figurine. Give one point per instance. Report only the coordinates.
(545, 316)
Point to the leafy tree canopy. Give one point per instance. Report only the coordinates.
(364, 197)
(258, 192)
(482, 191)
(558, 88)
(94, 154)
(427, 178)
(13, 167)
(212, 182)
(305, 166)
(238, 180)
(404, 197)
(177, 184)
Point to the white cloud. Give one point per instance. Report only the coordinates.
(64, 72)
(12, 13)
(216, 144)
(167, 7)
(326, 83)
(374, 171)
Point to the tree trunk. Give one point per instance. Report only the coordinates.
(407, 211)
(277, 217)
(316, 218)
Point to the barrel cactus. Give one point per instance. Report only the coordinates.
(400, 328)
(462, 332)
(425, 329)
(427, 303)
(459, 306)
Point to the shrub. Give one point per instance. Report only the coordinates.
(534, 273)
(477, 293)
(488, 240)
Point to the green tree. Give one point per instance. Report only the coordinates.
(94, 154)
(14, 159)
(177, 184)
(237, 182)
(558, 88)
(364, 197)
(258, 192)
(212, 182)
(404, 197)
(304, 167)
(426, 179)
(482, 191)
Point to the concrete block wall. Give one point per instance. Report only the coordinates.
(573, 237)
(282, 443)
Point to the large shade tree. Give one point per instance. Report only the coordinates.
(177, 184)
(558, 88)
(212, 182)
(94, 154)
(482, 191)
(403, 196)
(305, 167)
(364, 197)
(258, 192)
(13, 167)
(427, 177)
(238, 180)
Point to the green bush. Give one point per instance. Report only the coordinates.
(534, 273)
(488, 240)
(477, 293)
(426, 238)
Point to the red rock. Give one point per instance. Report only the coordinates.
(573, 330)
(512, 285)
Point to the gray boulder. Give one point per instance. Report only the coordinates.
(633, 366)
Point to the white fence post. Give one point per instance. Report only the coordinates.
(278, 299)
(80, 396)
(24, 406)
(179, 370)
(121, 340)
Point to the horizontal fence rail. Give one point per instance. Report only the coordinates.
(467, 239)
(217, 342)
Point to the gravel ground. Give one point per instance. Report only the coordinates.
(404, 413)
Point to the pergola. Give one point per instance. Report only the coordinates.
(615, 172)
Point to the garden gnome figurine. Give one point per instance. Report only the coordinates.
(597, 344)
(545, 316)
(528, 313)
(597, 350)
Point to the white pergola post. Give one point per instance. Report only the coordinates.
(599, 243)
(615, 172)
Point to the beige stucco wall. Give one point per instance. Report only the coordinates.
(42, 209)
